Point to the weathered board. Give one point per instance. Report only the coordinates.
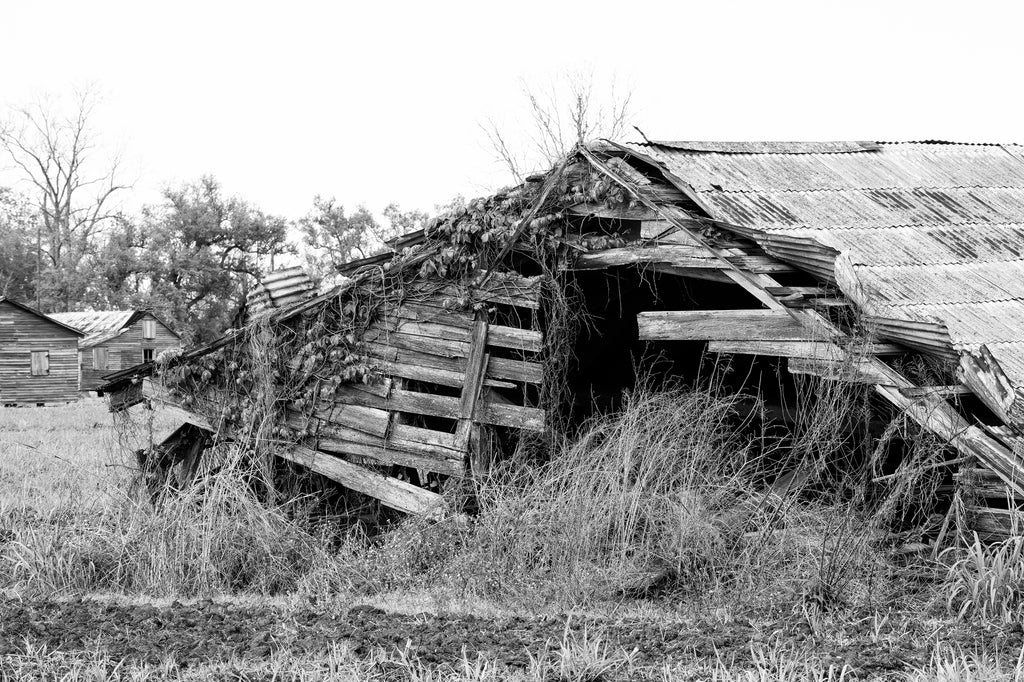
(721, 325)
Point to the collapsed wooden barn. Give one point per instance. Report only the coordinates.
(836, 260)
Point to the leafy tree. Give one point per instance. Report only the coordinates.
(118, 276)
(331, 238)
(73, 190)
(205, 251)
(18, 253)
(404, 222)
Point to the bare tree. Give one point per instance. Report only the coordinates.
(567, 111)
(54, 153)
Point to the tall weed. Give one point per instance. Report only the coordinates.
(987, 581)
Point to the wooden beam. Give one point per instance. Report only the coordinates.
(476, 363)
(599, 210)
(689, 257)
(441, 406)
(703, 325)
(405, 444)
(855, 370)
(940, 391)
(497, 368)
(822, 351)
(400, 495)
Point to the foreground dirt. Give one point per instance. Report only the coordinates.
(207, 631)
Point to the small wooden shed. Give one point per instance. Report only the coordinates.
(116, 339)
(37, 356)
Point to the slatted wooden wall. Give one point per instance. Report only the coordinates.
(21, 334)
(440, 373)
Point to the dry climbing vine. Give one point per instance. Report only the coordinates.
(299, 360)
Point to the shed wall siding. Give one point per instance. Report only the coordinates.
(125, 350)
(20, 334)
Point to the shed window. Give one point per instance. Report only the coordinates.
(147, 355)
(149, 329)
(99, 358)
(40, 363)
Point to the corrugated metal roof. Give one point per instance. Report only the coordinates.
(280, 289)
(103, 325)
(92, 322)
(927, 238)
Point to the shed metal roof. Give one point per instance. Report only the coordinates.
(101, 325)
(926, 238)
(92, 322)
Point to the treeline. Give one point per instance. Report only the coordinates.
(192, 257)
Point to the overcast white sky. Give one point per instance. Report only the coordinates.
(376, 102)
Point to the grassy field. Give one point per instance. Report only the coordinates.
(641, 552)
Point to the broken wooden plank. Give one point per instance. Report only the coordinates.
(980, 371)
(412, 439)
(420, 344)
(859, 370)
(443, 406)
(600, 210)
(433, 375)
(515, 338)
(516, 416)
(431, 330)
(703, 325)
(400, 495)
(386, 454)
(760, 265)
(664, 232)
(940, 391)
(708, 274)
(515, 370)
(427, 311)
(498, 335)
(497, 368)
(501, 287)
(809, 292)
(821, 302)
(785, 349)
(356, 416)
